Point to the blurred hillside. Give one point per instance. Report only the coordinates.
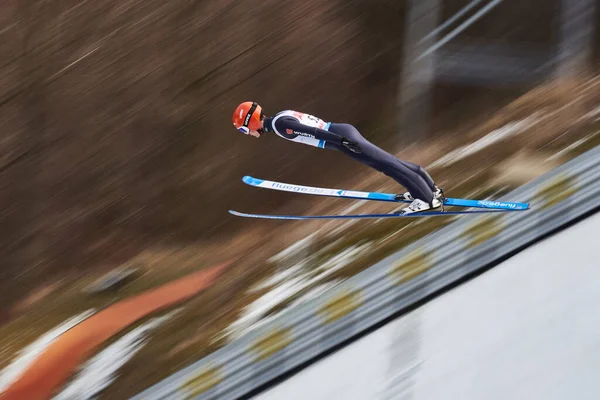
(115, 117)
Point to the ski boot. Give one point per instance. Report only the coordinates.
(438, 193)
(419, 205)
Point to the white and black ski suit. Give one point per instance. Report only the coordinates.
(313, 131)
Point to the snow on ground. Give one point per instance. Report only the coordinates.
(288, 282)
(510, 129)
(101, 371)
(280, 277)
(315, 292)
(570, 147)
(253, 313)
(595, 113)
(295, 248)
(29, 354)
(341, 259)
(335, 227)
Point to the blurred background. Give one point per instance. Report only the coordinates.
(117, 148)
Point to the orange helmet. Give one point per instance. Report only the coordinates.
(247, 116)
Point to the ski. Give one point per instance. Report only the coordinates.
(365, 216)
(377, 196)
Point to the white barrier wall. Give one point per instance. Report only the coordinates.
(528, 329)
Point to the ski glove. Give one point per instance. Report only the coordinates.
(352, 146)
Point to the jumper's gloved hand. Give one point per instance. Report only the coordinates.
(352, 146)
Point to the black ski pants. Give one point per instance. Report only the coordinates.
(412, 176)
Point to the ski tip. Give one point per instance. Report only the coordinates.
(251, 181)
(266, 216)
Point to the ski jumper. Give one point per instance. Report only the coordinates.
(313, 131)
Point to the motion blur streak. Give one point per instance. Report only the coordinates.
(73, 347)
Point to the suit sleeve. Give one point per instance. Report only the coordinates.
(294, 127)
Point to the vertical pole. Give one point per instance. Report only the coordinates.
(417, 76)
(577, 28)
